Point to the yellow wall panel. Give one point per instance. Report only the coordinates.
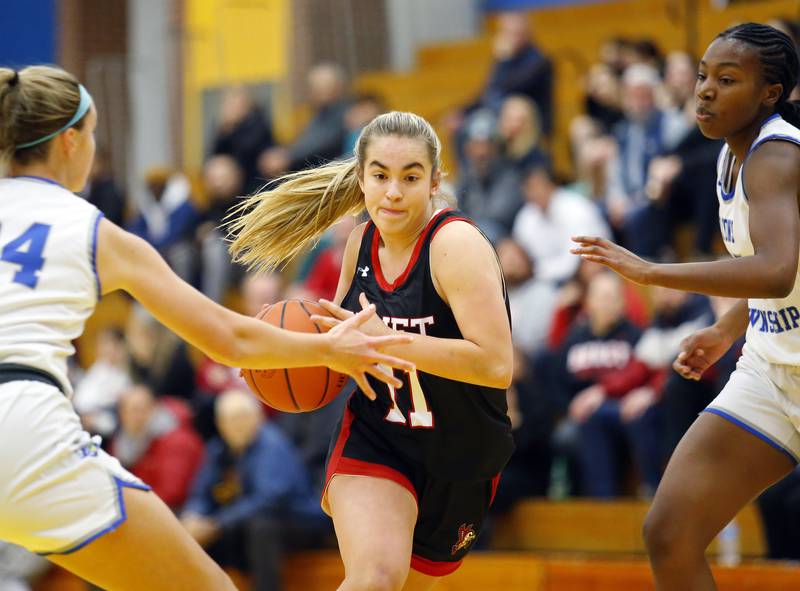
(229, 42)
(236, 41)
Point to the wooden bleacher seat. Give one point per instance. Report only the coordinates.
(581, 545)
(589, 526)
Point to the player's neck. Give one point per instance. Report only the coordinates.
(741, 142)
(41, 170)
(398, 244)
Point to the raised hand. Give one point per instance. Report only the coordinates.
(701, 350)
(358, 354)
(613, 256)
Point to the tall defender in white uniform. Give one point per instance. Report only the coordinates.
(763, 394)
(748, 437)
(48, 287)
(60, 494)
(44, 310)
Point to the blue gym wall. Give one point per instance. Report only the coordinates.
(28, 32)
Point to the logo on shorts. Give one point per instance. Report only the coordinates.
(89, 449)
(466, 535)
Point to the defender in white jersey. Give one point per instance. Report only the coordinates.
(763, 394)
(60, 494)
(749, 436)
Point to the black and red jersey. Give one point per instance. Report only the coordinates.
(458, 431)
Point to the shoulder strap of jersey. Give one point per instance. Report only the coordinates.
(453, 215)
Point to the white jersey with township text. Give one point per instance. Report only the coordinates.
(48, 279)
(773, 331)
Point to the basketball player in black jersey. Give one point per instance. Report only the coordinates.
(411, 473)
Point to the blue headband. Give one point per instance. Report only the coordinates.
(83, 107)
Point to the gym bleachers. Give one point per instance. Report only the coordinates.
(570, 545)
(603, 527)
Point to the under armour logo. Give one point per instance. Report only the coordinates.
(363, 271)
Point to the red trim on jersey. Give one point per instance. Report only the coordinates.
(353, 467)
(344, 433)
(495, 484)
(433, 568)
(448, 220)
(376, 263)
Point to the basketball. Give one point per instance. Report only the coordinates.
(298, 389)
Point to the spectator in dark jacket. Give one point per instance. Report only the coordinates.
(780, 510)
(223, 179)
(251, 479)
(519, 68)
(168, 218)
(323, 137)
(156, 442)
(243, 133)
(682, 400)
(489, 189)
(103, 192)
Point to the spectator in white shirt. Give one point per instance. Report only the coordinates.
(550, 216)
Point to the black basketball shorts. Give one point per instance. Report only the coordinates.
(450, 513)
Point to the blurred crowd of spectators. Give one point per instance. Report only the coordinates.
(595, 407)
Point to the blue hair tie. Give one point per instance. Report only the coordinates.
(83, 107)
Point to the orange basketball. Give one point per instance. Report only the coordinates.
(297, 389)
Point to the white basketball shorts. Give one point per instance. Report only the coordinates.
(764, 399)
(58, 489)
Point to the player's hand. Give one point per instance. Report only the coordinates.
(585, 403)
(374, 326)
(613, 256)
(358, 354)
(701, 350)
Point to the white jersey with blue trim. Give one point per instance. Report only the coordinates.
(48, 278)
(773, 331)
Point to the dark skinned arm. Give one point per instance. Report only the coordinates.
(771, 182)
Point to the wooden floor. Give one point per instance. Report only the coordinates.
(499, 571)
(506, 571)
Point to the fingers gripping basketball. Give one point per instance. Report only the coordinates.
(297, 389)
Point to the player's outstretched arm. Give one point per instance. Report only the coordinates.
(772, 183)
(127, 262)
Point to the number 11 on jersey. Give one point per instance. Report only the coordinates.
(420, 415)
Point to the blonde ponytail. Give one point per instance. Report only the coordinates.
(270, 228)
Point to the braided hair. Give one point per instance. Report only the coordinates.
(779, 62)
